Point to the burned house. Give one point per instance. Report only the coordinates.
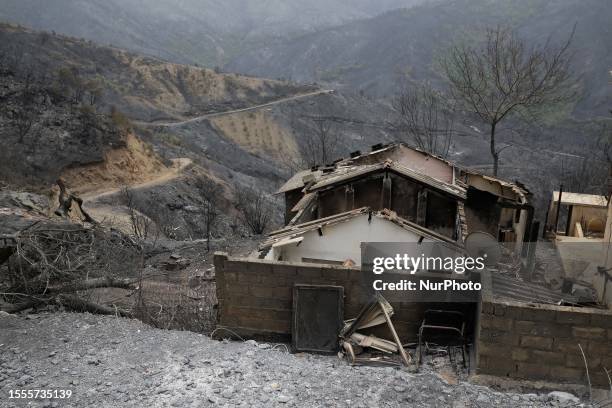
(421, 189)
(324, 240)
(308, 272)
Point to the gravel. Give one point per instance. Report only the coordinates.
(116, 362)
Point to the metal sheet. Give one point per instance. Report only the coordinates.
(318, 313)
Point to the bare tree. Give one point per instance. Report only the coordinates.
(507, 77)
(94, 91)
(604, 144)
(24, 122)
(254, 208)
(425, 117)
(141, 225)
(320, 137)
(210, 192)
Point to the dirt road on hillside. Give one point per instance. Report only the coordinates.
(250, 108)
(178, 166)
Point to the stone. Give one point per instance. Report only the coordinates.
(283, 399)
(562, 397)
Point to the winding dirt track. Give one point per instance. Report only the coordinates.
(171, 173)
(216, 114)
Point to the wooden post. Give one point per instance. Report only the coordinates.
(558, 209)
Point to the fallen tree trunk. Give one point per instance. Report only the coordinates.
(18, 307)
(80, 305)
(106, 282)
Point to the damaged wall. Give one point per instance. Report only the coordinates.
(255, 296)
(340, 242)
(540, 342)
(410, 200)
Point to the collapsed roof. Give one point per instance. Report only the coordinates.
(289, 233)
(411, 162)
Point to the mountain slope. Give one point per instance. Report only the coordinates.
(143, 87)
(188, 31)
(370, 54)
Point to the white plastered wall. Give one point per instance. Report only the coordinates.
(342, 241)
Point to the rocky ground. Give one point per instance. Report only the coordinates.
(115, 362)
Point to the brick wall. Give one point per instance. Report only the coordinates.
(255, 296)
(540, 342)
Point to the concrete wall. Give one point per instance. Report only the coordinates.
(255, 297)
(592, 219)
(342, 241)
(540, 342)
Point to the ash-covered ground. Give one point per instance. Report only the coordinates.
(115, 362)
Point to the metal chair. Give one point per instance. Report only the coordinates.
(445, 328)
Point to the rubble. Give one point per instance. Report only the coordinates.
(377, 312)
(147, 368)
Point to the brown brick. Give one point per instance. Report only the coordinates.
(499, 309)
(576, 360)
(230, 276)
(565, 374)
(270, 303)
(514, 312)
(266, 314)
(520, 354)
(532, 371)
(601, 320)
(606, 361)
(277, 326)
(610, 334)
(566, 345)
(284, 272)
(537, 314)
(494, 350)
(589, 332)
(249, 278)
(536, 342)
(306, 272)
(237, 288)
(599, 348)
(600, 379)
(498, 337)
(236, 299)
(495, 322)
(487, 308)
(578, 318)
(267, 292)
(497, 366)
(259, 268)
(542, 329)
(548, 357)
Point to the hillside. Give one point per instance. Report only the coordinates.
(163, 113)
(188, 31)
(142, 87)
(95, 117)
(371, 54)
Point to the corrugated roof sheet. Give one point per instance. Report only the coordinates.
(508, 288)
